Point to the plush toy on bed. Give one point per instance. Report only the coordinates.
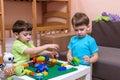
(8, 62)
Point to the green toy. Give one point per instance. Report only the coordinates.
(42, 58)
(19, 71)
(104, 18)
(75, 61)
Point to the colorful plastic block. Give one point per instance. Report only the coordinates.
(62, 68)
(75, 61)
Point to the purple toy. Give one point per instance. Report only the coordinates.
(113, 17)
(104, 14)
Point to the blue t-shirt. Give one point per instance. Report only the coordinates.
(82, 46)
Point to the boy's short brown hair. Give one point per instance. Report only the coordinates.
(21, 25)
(80, 19)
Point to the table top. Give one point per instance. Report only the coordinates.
(82, 70)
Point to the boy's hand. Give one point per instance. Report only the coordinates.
(53, 46)
(69, 57)
(54, 54)
(51, 53)
(86, 58)
(9, 71)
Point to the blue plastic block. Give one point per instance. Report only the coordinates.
(62, 68)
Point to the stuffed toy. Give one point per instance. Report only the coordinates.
(19, 71)
(102, 17)
(8, 62)
(108, 17)
(8, 59)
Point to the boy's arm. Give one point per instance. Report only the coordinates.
(69, 56)
(94, 58)
(39, 49)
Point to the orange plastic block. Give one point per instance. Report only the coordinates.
(32, 73)
(25, 64)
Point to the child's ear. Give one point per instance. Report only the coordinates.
(88, 27)
(16, 35)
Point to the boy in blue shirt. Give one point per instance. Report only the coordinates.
(82, 45)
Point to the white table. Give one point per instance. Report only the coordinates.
(82, 71)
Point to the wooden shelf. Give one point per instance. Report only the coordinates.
(35, 27)
(39, 0)
(2, 29)
(34, 12)
(53, 0)
(0, 38)
(43, 28)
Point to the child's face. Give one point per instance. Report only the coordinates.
(81, 31)
(24, 36)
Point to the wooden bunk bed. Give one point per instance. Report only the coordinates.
(46, 27)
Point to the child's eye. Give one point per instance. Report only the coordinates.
(25, 34)
(76, 29)
(81, 29)
(30, 34)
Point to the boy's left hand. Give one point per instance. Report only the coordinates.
(54, 54)
(86, 58)
(51, 53)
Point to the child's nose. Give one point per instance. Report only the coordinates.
(29, 36)
(79, 31)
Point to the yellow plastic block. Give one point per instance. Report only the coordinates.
(45, 73)
(64, 64)
(54, 61)
(38, 74)
(27, 71)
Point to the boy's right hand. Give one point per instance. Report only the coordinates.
(69, 57)
(51, 53)
(54, 46)
(9, 71)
